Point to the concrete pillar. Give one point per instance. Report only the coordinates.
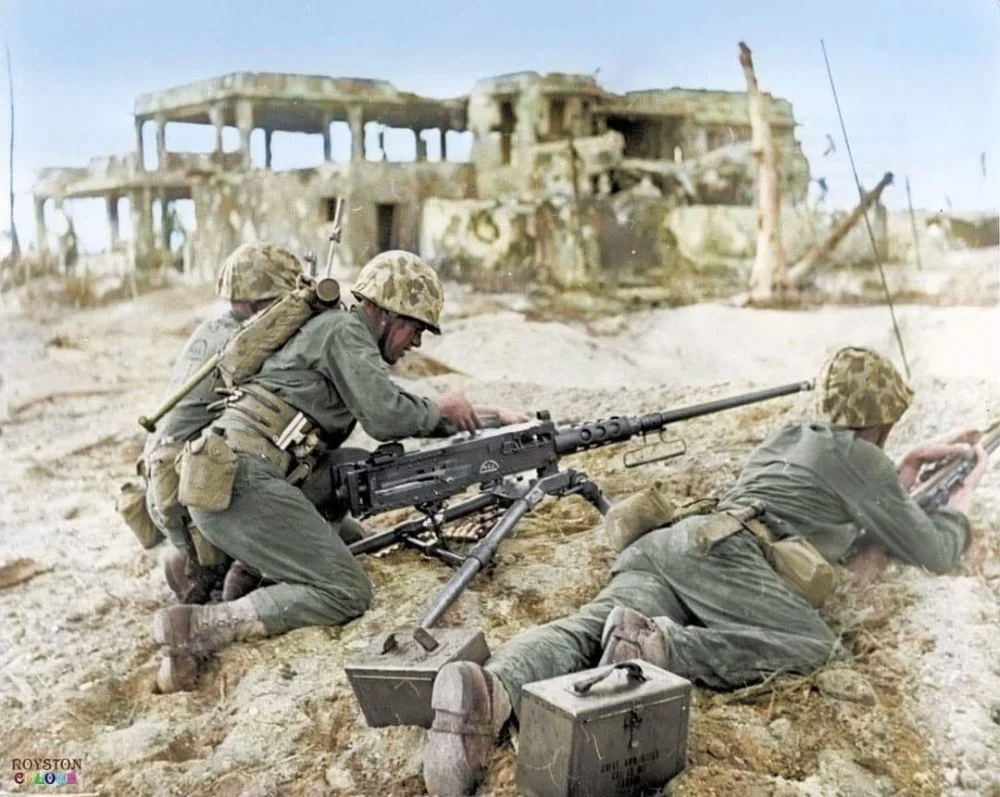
(217, 116)
(327, 146)
(700, 141)
(421, 146)
(40, 233)
(381, 143)
(244, 121)
(139, 155)
(142, 224)
(58, 204)
(166, 226)
(267, 148)
(111, 201)
(161, 143)
(356, 120)
(444, 145)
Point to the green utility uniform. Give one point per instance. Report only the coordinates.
(332, 371)
(184, 421)
(727, 617)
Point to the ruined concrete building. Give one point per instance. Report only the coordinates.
(563, 180)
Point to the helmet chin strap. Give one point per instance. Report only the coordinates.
(385, 317)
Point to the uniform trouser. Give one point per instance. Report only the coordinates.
(171, 518)
(728, 619)
(272, 526)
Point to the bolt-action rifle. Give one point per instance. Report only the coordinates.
(496, 460)
(936, 480)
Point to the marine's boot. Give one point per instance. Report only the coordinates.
(242, 580)
(185, 632)
(191, 582)
(629, 634)
(471, 707)
(177, 674)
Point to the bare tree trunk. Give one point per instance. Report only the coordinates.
(15, 245)
(824, 247)
(769, 276)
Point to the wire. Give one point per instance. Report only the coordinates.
(868, 226)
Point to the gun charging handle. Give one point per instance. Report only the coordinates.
(149, 423)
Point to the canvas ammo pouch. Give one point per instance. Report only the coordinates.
(261, 423)
(131, 505)
(161, 473)
(207, 469)
(264, 334)
(636, 515)
(648, 509)
(798, 564)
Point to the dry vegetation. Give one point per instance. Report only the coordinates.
(277, 717)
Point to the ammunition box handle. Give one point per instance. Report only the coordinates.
(632, 669)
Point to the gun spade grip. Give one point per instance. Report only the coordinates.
(147, 424)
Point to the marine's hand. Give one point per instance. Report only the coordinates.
(961, 496)
(970, 436)
(912, 461)
(493, 417)
(456, 408)
(867, 565)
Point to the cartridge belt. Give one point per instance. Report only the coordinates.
(266, 413)
(725, 523)
(247, 442)
(258, 422)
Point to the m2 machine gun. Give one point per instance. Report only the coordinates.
(498, 461)
(936, 480)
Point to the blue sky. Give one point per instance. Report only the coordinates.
(918, 80)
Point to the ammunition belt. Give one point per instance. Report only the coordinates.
(258, 422)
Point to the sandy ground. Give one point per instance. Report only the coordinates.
(922, 704)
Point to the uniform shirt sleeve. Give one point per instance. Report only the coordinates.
(351, 362)
(867, 480)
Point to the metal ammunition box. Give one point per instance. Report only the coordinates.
(393, 678)
(608, 732)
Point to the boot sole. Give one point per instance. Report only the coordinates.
(177, 674)
(458, 689)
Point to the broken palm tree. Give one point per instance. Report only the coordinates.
(769, 276)
(824, 247)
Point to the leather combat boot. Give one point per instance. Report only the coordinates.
(242, 580)
(629, 634)
(186, 632)
(471, 707)
(189, 581)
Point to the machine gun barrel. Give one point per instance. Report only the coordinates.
(617, 430)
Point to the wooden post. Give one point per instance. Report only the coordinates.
(913, 225)
(769, 276)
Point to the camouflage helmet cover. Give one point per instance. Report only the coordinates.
(404, 284)
(256, 271)
(859, 387)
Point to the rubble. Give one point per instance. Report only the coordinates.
(557, 148)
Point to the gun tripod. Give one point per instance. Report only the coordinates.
(514, 499)
(393, 679)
